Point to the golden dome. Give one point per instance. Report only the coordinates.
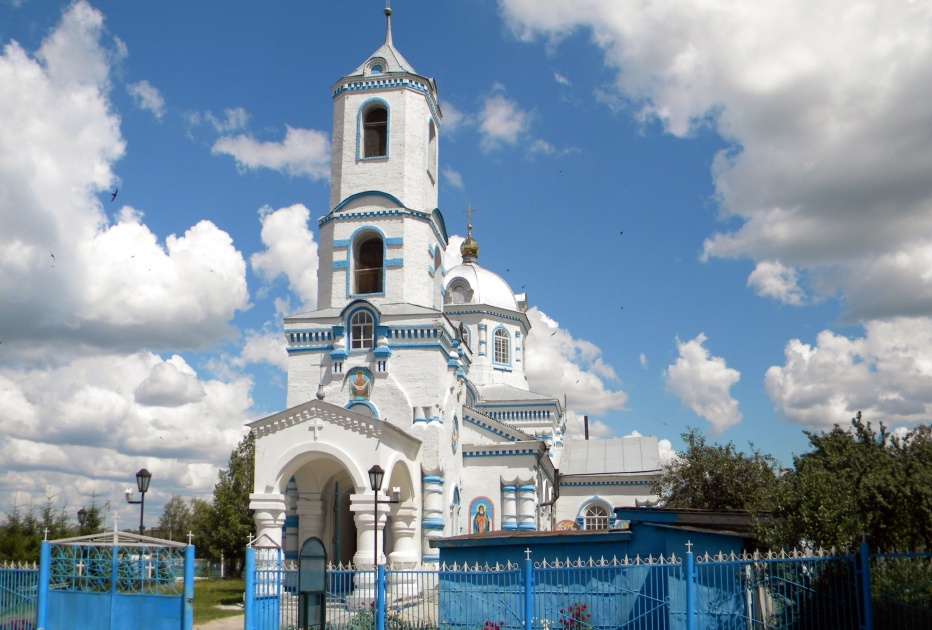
(470, 248)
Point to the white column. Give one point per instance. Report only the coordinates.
(509, 509)
(311, 521)
(404, 555)
(269, 516)
(432, 522)
(528, 503)
(369, 528)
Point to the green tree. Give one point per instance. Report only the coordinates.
(230, 519)
(860, 482)
(175, 521)
(718, 477)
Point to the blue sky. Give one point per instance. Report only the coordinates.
(768, 165)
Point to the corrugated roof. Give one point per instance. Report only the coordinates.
(501, 392)
(605, 457)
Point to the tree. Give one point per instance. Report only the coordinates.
(860, 482)
(718, 477)
(175, 521)
(231, 520)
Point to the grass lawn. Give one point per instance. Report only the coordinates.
(208, 594)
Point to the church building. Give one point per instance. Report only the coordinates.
(416, 369)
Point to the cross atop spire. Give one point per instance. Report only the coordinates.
(470, 248)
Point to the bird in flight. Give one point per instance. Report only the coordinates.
(620, 233)
(52, 255)
(114, 194)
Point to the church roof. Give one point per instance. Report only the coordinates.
(394, 61)
(606, 457)
(397, 308)
(500, 392)
(487, 287)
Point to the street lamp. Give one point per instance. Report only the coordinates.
(82, 518)
(376, 474)
(143, 477)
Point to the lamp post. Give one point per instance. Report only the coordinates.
(376, 474)
(143, 477)
(82, 518)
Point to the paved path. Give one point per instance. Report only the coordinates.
(227, 623)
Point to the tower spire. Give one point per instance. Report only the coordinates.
(388, 23)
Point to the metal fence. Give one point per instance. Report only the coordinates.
(18, 590)
(820, 590)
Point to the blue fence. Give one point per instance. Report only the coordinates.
(824, 590)
(18, 591)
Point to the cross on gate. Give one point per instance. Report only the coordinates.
(149, 570)
(250, 540)
(80, 567)
(190, 536)
(46, 533)
(689, 546)
(316, 426)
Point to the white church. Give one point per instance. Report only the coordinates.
(416, 369)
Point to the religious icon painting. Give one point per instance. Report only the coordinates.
(455, 438)
(567, 525)
(480, 514)
(360, 384)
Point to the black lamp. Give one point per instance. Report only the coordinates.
(82, 518)
(143, 477)
(376, 474)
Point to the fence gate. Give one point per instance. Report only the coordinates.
(115, 581)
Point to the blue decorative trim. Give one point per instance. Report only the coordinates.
(488, 427)
(439, 231)
(433, 479)
(291, 520)
(434, 419)
(339, 355)
(367, 104)
(395, 262)
(603, 483)
(391, 82)
(432, 524)
(508, 489)
(395, 240)
(355, 196)
(431, 557)
(452, 309)
(509, 527)
(526, 488)
(341, 242)
(512, 452)
(527, 527)
(308, 349)
(364, 403)
(341, 264)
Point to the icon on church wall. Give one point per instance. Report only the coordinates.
(360, 385)
(455, 438)
(565, 526)
(480, 512)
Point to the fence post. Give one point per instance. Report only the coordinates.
(380, 598)
(528, 590)
(690, 569)
(866, 588)
(249, 598)
(188, 620)
(42, 597)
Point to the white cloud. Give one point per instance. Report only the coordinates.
(826, 108)
(453, 118)
(774, 280)
(452, 177)
(266, 347)
(561, 79)
(886, 374)
(148, 97)
(84, 404)
(303, 152)
(703, 383)
(74, 273)
(558, 365)
(290, 251)
(502, 121)
(234, 119)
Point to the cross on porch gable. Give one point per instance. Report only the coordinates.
(315, 426)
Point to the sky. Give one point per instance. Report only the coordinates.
(721, 213)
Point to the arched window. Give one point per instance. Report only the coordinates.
(502, 346)
(368, 264)
(362, 329)
(596, 517)
(459, 292)
(375, 132)
(464, 335)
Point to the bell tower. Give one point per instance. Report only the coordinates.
(383, 238)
